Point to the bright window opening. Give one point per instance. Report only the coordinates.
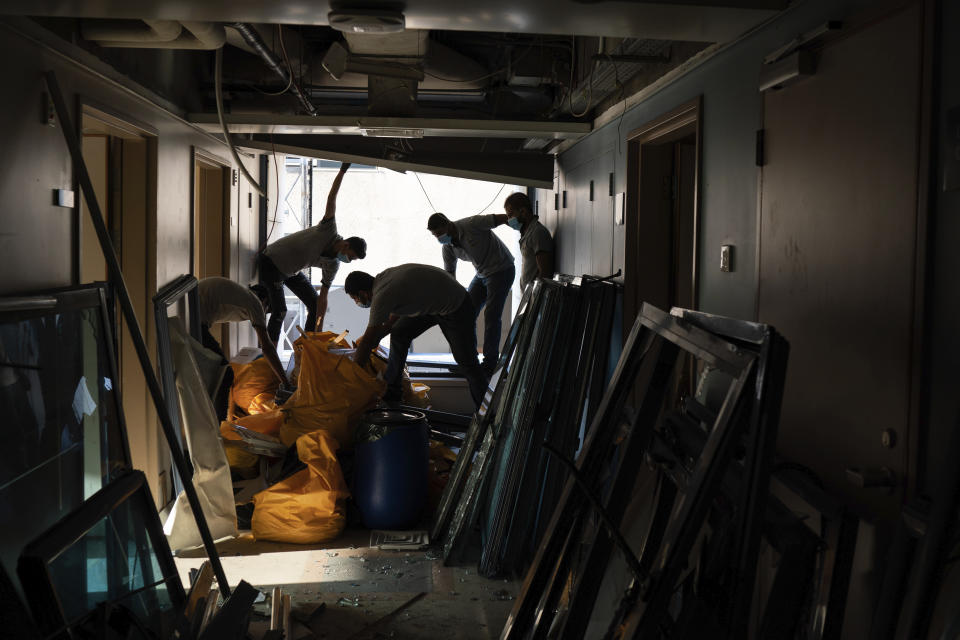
(389, 210)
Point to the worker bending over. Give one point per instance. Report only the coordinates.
(223, 300)
(471, 239)
(404, 302)
(536, 243)
(281, 262)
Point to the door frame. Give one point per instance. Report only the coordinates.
(201, 158)
(680, 122)
(118, 124)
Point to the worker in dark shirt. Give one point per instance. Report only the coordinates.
(281, 262)
(405, 301)
(471, 239)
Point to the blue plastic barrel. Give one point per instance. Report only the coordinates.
(390, 468)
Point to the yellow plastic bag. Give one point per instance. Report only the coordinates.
(332, 392)
(250, 381)
(241, 461)
(263, 403)
(438, 471)
(308, 506)
(414, 394)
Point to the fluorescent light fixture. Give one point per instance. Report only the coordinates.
(367, 21)
(391, 132)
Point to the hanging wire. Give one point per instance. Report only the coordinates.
(417, 176)
(494, 199)
(586, 109)
(502, 186)
(218, 90)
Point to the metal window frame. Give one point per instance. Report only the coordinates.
(183, 287)
(33, 566)
(623, 431)
(52, 301)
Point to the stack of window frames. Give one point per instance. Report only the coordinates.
(548, 379)
(712, 467)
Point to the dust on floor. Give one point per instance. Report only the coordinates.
(350, 590)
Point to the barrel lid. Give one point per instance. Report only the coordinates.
(393, 416)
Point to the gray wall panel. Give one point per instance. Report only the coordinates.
(36, 237)
(728, 182)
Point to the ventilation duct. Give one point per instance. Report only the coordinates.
(253, 39)
(154, 34)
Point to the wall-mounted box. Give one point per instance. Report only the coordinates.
(63, 198)
(726, 258)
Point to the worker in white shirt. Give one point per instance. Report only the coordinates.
(536, 243)
(471, 239)
(223, 300)
(281, 263)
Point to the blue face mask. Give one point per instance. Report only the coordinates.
(363, 305)
(515, 223)
(445, 239)
(342, 257)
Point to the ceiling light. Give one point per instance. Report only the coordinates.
(367, 21)
(391, 132)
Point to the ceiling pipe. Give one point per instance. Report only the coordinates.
(252, 38)
(154, 34)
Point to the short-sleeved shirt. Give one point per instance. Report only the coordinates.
(533, 240)
(414, 290)
(223, 300)
(306, 248)
(478, 245)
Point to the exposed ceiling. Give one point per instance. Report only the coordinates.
(696, 20)
(486, 89)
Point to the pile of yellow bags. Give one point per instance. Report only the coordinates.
(332, 393)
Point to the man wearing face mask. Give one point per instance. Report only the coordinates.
(471, 239)
(281, 262)
(405, 301)
(536, 243)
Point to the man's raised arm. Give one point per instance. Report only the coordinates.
(334, 189)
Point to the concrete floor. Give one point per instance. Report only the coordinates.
(347, 589)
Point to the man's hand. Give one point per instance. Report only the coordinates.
(284, 391)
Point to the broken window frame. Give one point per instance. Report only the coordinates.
(184, 287)
(34, 565)
(651, 354)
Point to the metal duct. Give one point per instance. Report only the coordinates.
(252, 38)
(154, 34)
